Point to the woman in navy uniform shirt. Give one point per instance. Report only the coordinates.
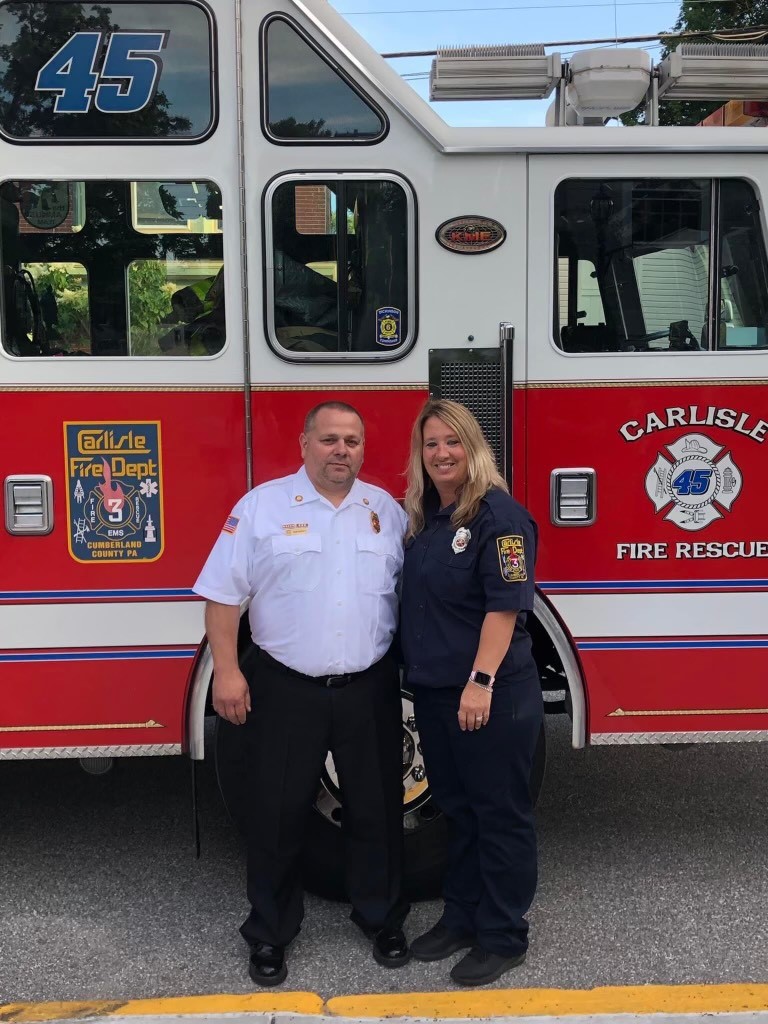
(467, 584)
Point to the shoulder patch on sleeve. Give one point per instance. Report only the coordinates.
(512, 558)
(230, 524)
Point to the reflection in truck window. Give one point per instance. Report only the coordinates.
(342, 267)
(97, 72)
(307, 98)
(658, 272)
(112, 268)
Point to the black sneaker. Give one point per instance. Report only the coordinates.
(439, 942)
(479, 967)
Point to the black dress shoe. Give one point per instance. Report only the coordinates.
(390, 948)
(439, 942)
(479, 967)
(267, 966)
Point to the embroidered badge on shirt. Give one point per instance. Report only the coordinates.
(512, 558)
(375, 524)
(230, 525)
(291, 529)
(460, 540)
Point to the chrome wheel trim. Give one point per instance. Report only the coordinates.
(416, 798)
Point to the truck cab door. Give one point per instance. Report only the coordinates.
(645, 429)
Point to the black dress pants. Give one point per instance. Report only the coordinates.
(292, 725)
(480, 781)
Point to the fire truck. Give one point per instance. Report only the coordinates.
(215, 215)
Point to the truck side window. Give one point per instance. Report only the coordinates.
(341, 279)
(653, 283)
(111, 268)
(93, 72)
(743, 270)
(307, 98)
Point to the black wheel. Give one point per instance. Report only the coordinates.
(424, 826)
(425, 830)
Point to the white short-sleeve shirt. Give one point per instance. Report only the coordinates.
(321, 580)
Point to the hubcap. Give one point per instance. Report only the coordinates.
(416, 799)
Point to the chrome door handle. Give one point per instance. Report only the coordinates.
(573, 497)
(28, 505)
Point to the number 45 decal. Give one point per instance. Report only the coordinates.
(127, 80)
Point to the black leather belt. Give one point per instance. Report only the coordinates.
(334, 682)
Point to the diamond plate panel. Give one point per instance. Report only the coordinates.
(134, 750)
(604, 739)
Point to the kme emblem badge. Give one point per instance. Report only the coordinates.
(698, 484)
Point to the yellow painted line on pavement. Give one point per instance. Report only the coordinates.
(257, 1002)
(472, 1004)
(535, 1002)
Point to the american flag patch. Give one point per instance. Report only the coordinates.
(230, 525)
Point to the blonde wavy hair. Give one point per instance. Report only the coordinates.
(482, 473)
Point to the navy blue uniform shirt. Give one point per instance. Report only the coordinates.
(448, 589)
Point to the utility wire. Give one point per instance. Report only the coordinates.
(529, 7)
(722, 35)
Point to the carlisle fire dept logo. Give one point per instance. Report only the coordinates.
(511, 551)
(114, 491)
(699, 484)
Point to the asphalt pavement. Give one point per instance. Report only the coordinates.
(653, 871)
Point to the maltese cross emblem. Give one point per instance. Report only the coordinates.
(700, 483)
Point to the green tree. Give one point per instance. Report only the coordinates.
(63, 296)
(105, 246)
(290, 128)
(150, 303)
(695, 16)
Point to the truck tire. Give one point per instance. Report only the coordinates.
(424, 827)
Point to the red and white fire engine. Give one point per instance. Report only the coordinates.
(214, 215)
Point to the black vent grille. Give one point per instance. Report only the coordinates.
(473, 378)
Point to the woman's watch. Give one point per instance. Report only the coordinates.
(482, 679)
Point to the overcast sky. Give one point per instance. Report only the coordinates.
(394, 25)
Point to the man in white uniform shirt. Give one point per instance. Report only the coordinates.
(318, 555)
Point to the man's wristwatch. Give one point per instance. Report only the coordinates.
(482, 679)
